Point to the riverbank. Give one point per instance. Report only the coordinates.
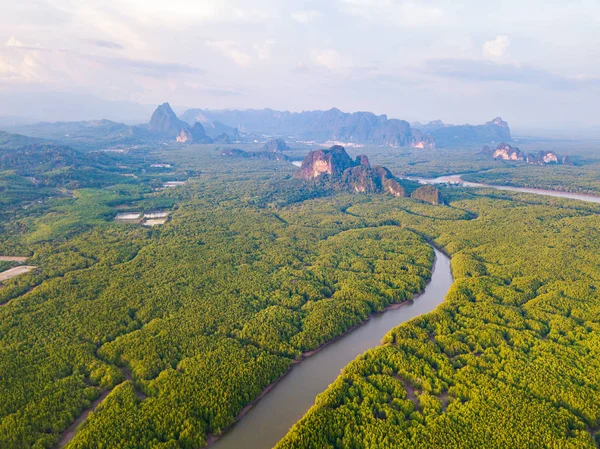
(268, 418)
(457, 179)
(212, 439)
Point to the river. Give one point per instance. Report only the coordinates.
(271, 418)
(456, 179)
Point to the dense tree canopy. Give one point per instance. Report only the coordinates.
(179, 327)
(511, 357)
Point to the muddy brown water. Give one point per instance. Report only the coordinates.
(271, 418)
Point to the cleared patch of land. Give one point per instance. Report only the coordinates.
(170, 184)
(155, 221)
(13, 259)
(156, 214)
(128, 216)
(8, 274)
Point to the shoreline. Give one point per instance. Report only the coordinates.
(212, 439)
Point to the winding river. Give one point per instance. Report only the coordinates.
(271, 418)
(273, 415)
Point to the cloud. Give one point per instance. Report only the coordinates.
(107, 44)
(496, 49)
(328, 58)
(306, 16)
(232, 51)
(26, 69)
(22, 63)
(12, 42)
(473, 70)
(402, 13)
(263, 50)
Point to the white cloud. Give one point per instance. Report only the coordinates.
(26, 69)
(232, 50)
(328, 58)
(12, 42)
(306, 16)
(496, 49)
(263, 49)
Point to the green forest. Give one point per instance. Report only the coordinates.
(511, 357)
(181, 326)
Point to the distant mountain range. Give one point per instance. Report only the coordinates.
(319, 126)
(84, 131)
(228, 126)
(494, 131)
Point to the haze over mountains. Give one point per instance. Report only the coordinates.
(331, 125)
(496, 130)
(226, 126)
(358, 127)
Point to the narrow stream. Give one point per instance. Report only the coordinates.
(271, 418)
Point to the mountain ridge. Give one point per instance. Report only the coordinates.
(330, 125)
(494, 131)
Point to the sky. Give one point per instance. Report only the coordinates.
(534, 63)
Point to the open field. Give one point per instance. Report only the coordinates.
(155, 221)
(9, 274)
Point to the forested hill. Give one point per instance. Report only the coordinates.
(511, 359)
(8, 140)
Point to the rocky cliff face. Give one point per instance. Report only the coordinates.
(366, 179)
(276, 145)
(429, 194)
(542, 158)
(336, 168)
(196, 134)
(165, 122)
(330, 162)
(184, 136)
(497, 122)
(508, 153)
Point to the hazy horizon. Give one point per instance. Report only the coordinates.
(415, 60)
